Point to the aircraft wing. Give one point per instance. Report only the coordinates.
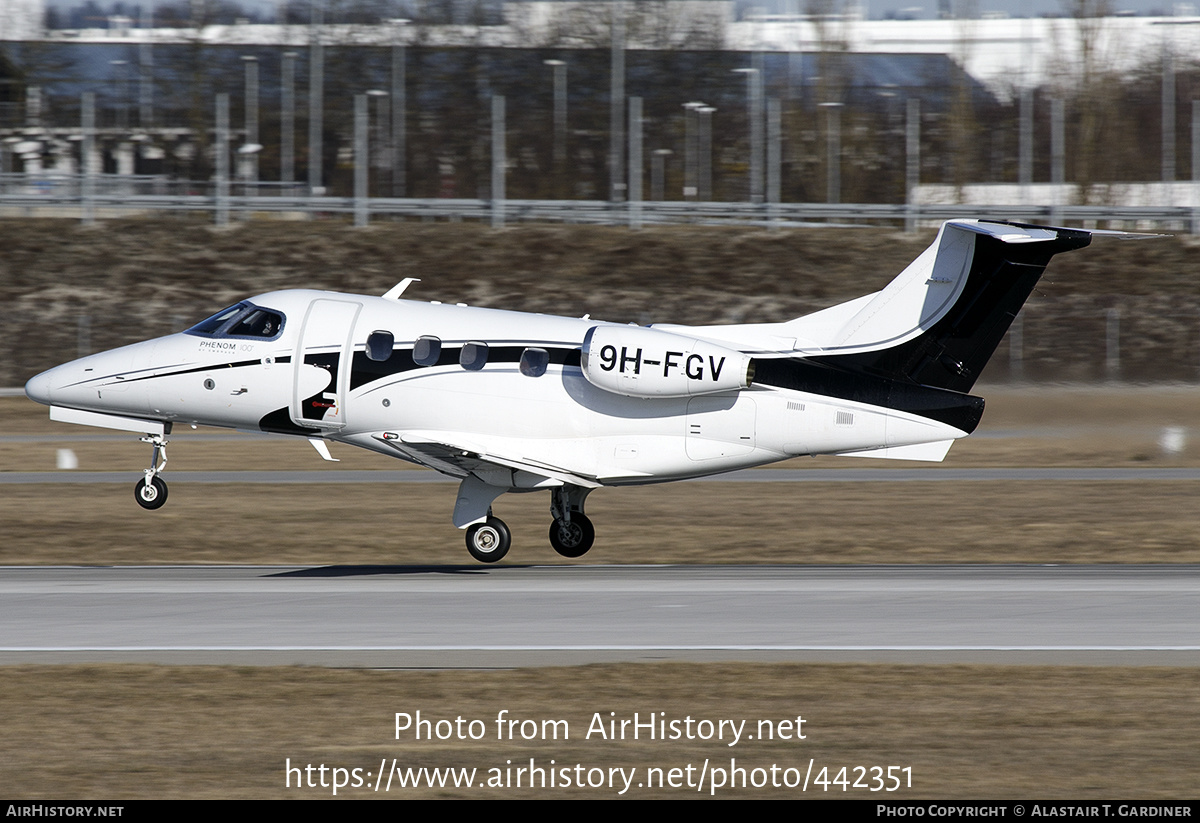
(460, 457)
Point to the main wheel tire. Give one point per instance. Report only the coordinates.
(488, 541)
(150, 495)
(575, 538)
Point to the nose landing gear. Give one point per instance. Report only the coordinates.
(151, 491)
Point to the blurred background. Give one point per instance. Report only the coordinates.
(1026, 102)
(774, 114)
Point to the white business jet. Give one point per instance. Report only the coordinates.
(513, 402)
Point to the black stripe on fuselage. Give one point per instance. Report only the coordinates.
(236, 364)
(365, 370)
(955, 409)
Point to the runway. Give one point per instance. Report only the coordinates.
(508, 616)
(897, 475)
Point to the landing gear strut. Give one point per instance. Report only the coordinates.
(488, 541)
(571, 533)
(151, 491)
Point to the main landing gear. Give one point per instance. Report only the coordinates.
(571, 533)
(488, 541)
(151, 491)
(572, 538)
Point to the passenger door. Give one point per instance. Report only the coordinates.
(325, 344)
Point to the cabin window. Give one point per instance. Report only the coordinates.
(473, 356)
(379, 345)
(534, 362)
(426, 351)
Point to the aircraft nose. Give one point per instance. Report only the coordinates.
(38, 388)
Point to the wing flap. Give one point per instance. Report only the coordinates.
(461, 458)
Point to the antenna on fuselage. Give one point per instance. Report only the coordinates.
(395, 291)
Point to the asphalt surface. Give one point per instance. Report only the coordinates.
(507, 616)
(745, 476)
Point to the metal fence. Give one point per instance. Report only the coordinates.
(106, 196)
(1130, 344)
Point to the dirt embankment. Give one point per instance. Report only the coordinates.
(67, 289)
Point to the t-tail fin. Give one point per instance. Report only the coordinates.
(939, 322)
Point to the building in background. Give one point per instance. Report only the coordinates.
(960, 97)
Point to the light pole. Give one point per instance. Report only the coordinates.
(616, 118)
(690, 148)
(361, 160)
(658, 162)
(222, 158)
(1057, 154)
(705, 156)
(126, 164)
(121, 77)
(287, 125)
(381, 157)
(316, 100)
(145, 82)
(398, 158)
(1025, 167)
(559, 70)
(1196, 141)
(912, 160)
(1195, 163)
(86, 159)
(499, 161)
(755, 116)
(251, 146)
(1168, 115)
(774, 156)
(833, 152)
(635, 163)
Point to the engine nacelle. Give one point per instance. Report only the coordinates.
(640, 362)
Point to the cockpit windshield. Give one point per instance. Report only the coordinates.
(241, 320)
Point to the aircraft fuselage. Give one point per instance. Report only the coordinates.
(315, 378)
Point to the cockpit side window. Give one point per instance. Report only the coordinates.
(244, 320)
(258, 323)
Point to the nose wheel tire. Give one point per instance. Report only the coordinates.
(152, 494)
(488, 541)
(572, 539)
